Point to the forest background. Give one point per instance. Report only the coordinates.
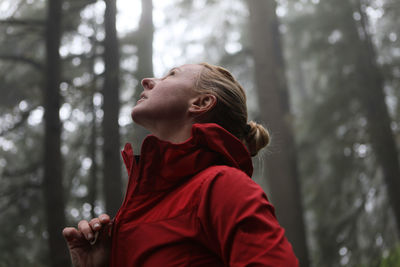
(323, 76)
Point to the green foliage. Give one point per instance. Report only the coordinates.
(393, 259)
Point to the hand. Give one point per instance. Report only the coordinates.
(89, 245)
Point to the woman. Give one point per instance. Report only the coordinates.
(190, 200)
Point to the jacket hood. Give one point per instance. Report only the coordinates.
(162, 163)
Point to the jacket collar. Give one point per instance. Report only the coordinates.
(163, 164)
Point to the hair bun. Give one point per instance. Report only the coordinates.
(257, 137)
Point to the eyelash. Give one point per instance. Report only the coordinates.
(171, 73)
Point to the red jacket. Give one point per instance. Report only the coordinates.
(194, 204)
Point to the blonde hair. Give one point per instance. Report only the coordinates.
(230, 111)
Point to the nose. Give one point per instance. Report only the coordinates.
(148, 83)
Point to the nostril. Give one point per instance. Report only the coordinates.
(144, 83)
(147, 83)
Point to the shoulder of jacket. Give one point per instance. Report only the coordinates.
(224, 174)
(218, 170)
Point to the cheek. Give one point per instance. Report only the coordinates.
(160, 107)
(170, 99)
(169, 105)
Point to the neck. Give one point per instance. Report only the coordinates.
(173, 133)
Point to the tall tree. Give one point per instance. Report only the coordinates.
(111, 147)
(144, 42)
(372, 97)
(93, 180)
(52, 183)
(273, 98)
(344, 186)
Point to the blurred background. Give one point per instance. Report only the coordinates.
(323, 77)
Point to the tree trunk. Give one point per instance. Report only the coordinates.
(273, 98)
(92, 196)
(145, 42)
(111, 146)
(93, 178)
(52, 182)
(372, 98)
(145, 56)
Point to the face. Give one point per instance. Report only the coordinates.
(166, 99)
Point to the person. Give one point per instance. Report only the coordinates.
(190, 200)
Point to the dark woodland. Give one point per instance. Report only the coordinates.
(322, 76)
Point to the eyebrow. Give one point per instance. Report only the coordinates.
(174, 69)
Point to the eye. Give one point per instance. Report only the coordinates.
(170, 73)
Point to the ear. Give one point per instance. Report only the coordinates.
(202, 103)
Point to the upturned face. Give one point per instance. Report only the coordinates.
(166, 99)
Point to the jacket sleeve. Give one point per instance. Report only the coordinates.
(240, 224)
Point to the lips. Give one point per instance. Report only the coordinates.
(142, 97)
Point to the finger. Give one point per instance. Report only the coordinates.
(95, 224)
(109, 228)
(93, 241)
(71, 233)
(104, 233)
(104, 218)
(86, 230)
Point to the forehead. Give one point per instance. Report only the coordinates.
(190, 69)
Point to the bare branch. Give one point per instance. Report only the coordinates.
(31, 168)
(81, 56)
(14, 193)
(24, 116)
(25, 22)
(23, 59)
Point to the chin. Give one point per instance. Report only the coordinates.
(136, 118)
(134, 115)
